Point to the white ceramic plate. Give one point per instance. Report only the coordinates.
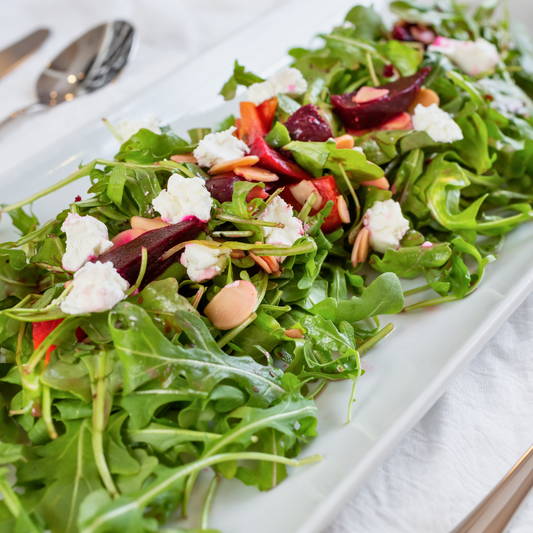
(406, 373)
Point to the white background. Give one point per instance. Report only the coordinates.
(480, 426)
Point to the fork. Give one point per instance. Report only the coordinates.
(494, 513)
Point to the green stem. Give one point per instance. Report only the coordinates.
(99, 423)
(142, 271)
(371, 70)
(322, 385)
(352, 192)
(249, 221)
(235, 331)
(83, 171)
(245, 233)
(262, 290)
(370, 343)
(429, 303)
(112, 130)
(306, 209)
(47, 413)
(416, 290)
(204, 521)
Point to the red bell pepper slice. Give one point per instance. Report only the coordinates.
(328, 190)
(41, 330)
(267, 111)
(251, 123)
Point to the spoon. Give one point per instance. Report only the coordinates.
(88, 64)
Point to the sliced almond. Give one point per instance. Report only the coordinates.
(381, 183)
(360, 247)
(184, 158)
(294, 333)
(255, 174)
(147, 224)
(232, 305)
(124, 237)
(237, 254)
(303, 191)
(344, 141)
(342, 207)
(246, 161)
(401, 122)
(272, 263)
(261, 262)
(368, 94)
(426, 97)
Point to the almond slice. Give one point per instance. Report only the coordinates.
(232, 305)
(294, 333)
(255, 174)
(367, 94)
(261, 262)
(184, 158)
(147, 224)
(342, 207)
(426, 97)
(344, 141)
(381, 183)
(303, 191)
(246, 161)
(360, 247)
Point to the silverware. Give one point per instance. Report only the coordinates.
(494, 513)
(18, 52)
(88, 64)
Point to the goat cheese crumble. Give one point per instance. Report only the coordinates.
(280, 211)
(472, 57)
(286, 81)
(183, 198)
(87, 238)
(203, 262)
(507, 97)
(96, 287)
(127, 128)
(386, 225)
(438, 124)
(219, 147)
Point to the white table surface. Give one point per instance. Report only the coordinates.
(477, 430)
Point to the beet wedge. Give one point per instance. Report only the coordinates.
(221, 188)
(307, 125)
(374, 113)
(271, 160)
(127, 258)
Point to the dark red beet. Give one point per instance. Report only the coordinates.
(127, 258)
(221, 187)
(269, 159)
(307, 125)
(371, 114)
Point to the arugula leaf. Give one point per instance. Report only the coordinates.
(240, 77)
(368, 24)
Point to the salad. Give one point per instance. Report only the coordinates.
(188, 311)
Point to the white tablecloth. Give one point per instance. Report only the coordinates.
(473, 434)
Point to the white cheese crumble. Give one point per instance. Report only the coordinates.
(279, 211)
(184, 198)
(472, 57)
(438, 124)
(87, 238)
(96, 287)
(506, 96)
(203, 262)
(126, 127)
(286, 81)
(220, 147)
(386, 225)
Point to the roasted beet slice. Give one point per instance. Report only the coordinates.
(221, 188)
(269, 159)
(307, 125)
(127, 258)
(371, 114)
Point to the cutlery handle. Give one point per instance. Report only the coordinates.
(24, 111)
(494, 512)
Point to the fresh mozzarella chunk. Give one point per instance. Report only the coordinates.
(386, 225)
(219, 147)
(438, 124)
(87, 238)
(96, 287)
(286, 81)
(279, 211)
(472, 57)
(126, 128)
(203, 262)
(184, 198)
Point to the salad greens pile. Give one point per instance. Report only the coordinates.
(107, 418)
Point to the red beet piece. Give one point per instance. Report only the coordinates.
(371, 114)
(269, 159)
(328, 190)
(127, 258)
(221, 188)
(307, 125)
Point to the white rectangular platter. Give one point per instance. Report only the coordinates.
(406, 373)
